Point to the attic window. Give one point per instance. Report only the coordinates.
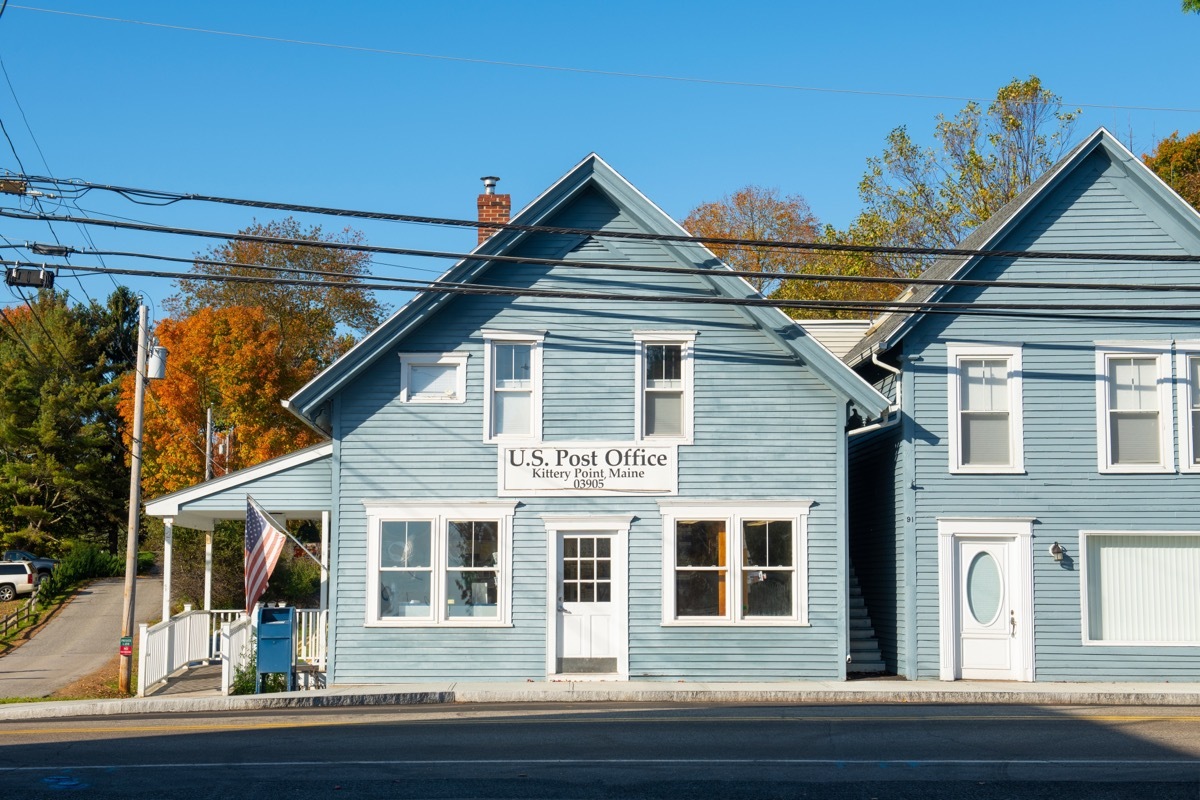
(433, 377)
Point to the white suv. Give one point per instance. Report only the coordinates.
(16, 577)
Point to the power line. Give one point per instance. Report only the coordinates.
(239, 264)
(559, 68)
(814, 246)
(813, 277)
(1033, 310)
(29, 128)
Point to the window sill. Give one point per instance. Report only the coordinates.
(1156, 469)
(728, 623)
(663, 441)
(990, 470)
(432, 624)
(1092, 643)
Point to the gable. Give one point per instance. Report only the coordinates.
(1099, 198)
(1099, 209)
(591, 197)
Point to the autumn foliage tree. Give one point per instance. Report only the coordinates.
(1177, 162)
(317, 321)
(242, 347)
(932, 197)
(756, 212)
(235, 360)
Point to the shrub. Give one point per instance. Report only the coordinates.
(245, 678)
(295, 582)
(81, 564)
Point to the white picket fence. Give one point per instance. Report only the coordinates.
(227, 636)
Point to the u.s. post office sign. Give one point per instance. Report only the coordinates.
(578, 469)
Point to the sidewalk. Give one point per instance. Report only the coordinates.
(823, 692)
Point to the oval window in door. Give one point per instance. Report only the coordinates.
(984, 591)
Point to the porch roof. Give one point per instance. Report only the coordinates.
(295, 486)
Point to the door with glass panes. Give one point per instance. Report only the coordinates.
(588, 625)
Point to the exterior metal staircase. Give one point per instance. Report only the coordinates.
(865, 657)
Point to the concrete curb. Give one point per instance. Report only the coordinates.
(1097, 695)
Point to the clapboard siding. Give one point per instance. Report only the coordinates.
(765, 427)
(1095, 209)
(304, 487)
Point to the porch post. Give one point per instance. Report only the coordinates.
(168, 536)
(324, 560)
(208, 548)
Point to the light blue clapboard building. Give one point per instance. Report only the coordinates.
(1032, 512)
(529, 484)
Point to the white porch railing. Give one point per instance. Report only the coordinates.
(170, 645)
(227, 636)
(218, 619)
(236, 641)
(311, 635)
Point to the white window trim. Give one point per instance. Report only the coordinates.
(955, 353)
(1184, 351)
(1166, 425)
(536, 339)
(440, 513)
(1083, 589)
(687, 342)
(458, 360)
(733, 513)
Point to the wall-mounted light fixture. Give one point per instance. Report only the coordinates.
(1057, 551)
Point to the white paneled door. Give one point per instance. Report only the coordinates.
(588, 626)
(987, 615)
(986, 601)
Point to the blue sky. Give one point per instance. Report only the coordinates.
(160, 107)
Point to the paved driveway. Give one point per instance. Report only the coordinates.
(81, 639)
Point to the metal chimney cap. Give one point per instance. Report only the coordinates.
(489, 184)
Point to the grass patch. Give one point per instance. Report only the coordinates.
(103, 684)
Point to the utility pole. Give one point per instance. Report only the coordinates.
(135, 504)
(208, 434)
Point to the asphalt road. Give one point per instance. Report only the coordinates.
(615, 751)
(81, 638)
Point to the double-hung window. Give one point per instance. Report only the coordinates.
(433, 377)
(1133, 406)
(1141, 588)
(437, 564)
(985, 425)
(665, 385)
(734, 563)
(513, 405)
(1187, 371)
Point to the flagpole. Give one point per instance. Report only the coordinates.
(283, 529)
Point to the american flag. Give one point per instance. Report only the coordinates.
(264, 541)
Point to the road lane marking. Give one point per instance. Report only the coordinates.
(609, 762)
(402, 720)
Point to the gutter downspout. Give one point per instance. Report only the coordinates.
(893, 415)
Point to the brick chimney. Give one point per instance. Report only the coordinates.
(492, 207)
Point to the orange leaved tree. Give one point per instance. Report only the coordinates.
(234, 360)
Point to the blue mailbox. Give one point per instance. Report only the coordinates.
(276, 643)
